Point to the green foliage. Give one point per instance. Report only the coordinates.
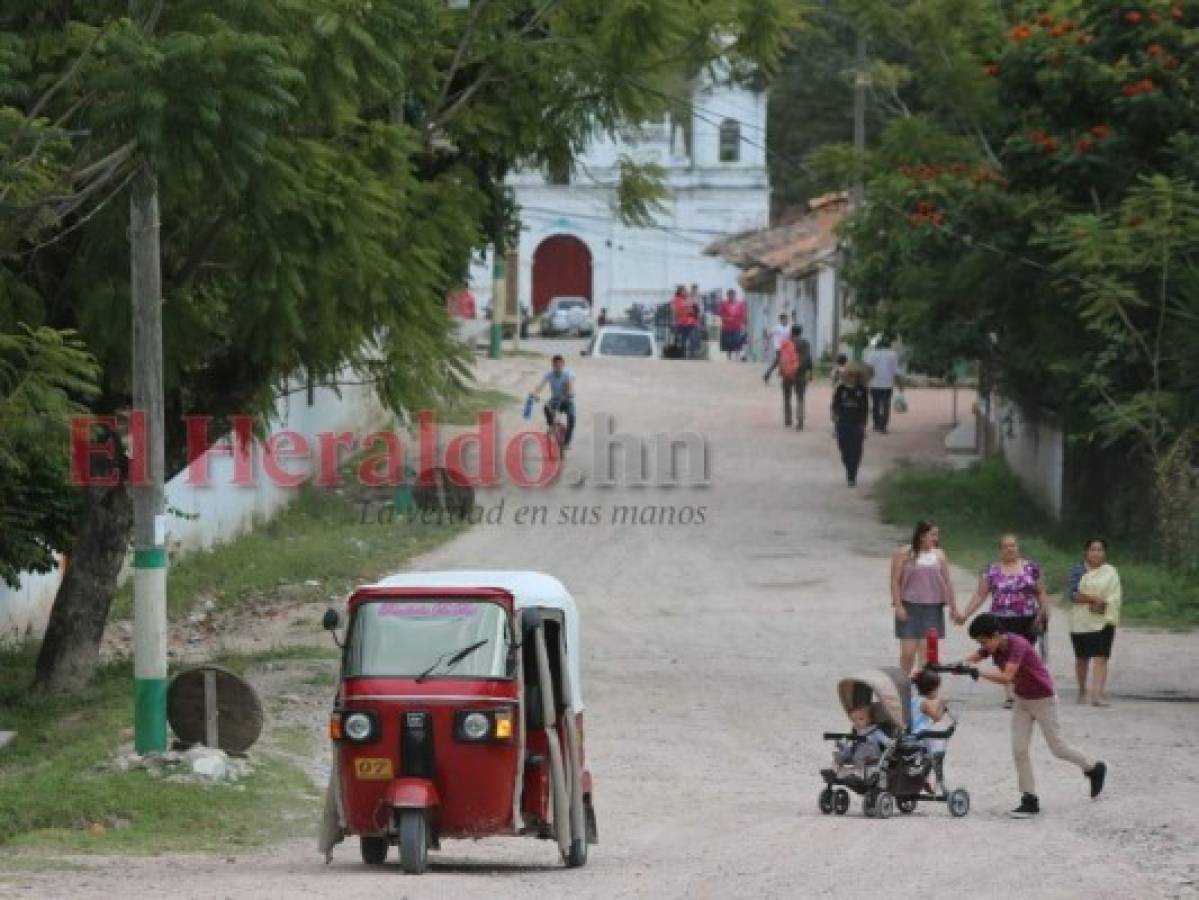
(975, 506)
(43, 375)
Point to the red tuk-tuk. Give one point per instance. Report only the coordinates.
(459, 715)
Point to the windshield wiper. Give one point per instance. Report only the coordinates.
(452, 661)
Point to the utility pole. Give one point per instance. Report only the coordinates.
(149, 522)
(858, 192)
(499, 306)
(860, 82)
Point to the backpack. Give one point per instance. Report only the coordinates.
(789, 360)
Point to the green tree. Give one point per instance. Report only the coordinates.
(41, 372)
(326, 169)
(1010, 221)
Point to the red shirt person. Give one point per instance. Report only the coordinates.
(681, 307)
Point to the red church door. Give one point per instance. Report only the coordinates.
(561, 268)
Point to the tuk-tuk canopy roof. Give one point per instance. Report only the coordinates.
(528, 590)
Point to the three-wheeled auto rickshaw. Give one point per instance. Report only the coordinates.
(459, 714)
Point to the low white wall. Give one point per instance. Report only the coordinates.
(202, 516)
(1035, 450)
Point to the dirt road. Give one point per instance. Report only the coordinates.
(710, 654)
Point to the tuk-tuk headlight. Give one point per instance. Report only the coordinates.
(476, 726)
(358, 727)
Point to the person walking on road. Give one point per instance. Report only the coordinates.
(791, 371)
(920, 590)
(884, 378)
(1095, 596)
(1022, 670)
(850, 410)
(778, 334)
(1019, 600)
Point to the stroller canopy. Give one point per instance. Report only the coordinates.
(887, 691)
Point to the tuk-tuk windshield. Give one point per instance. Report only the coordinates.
(430, 638)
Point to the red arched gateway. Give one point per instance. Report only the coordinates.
(561, 268)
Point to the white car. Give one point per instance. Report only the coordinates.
(617, 340)
(567, 315)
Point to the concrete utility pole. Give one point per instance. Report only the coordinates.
(499, 306)
(861, 81)
(149, 522)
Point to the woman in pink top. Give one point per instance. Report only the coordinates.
(920, 591)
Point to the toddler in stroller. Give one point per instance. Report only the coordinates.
(899, 778)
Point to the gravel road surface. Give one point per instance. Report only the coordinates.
(710, 655)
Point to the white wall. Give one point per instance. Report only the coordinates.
(217, 513)
(707, 200)
(1035, 451)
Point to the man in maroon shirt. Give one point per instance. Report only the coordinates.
(1019, 666)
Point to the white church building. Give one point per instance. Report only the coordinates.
(573, 244)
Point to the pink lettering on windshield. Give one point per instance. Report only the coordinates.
(428, 610)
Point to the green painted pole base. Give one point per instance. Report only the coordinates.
(496, 348)
(150, 715)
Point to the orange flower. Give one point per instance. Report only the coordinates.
(1083, 39)
(1103, 132)
(1133, 17)
(1156, 50)
(1037, 136)
(1049, 145)
(991, 70)
(1176, 13)
(1020, 33)
(1084, 145)
(1062, 28)
(1045, 20)
(1155, 18)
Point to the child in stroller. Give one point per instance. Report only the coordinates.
(899, 779)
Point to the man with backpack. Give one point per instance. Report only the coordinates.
(794, 372)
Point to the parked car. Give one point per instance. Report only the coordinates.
(567, 315)
(618, 340)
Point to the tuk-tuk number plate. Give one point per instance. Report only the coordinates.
(371, 768)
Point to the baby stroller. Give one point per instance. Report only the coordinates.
(905, 773)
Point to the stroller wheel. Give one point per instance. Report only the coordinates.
(841, 802)
(826, 801)
(884, 806)
(958, 802)
(907, 807)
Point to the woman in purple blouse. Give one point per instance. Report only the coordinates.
(1018, 596)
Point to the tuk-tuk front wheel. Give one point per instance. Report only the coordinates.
(374, 850)
(414, 841)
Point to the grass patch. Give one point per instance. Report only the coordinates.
(320, 538)
(465, 409)
(53, 783)
(974, 506)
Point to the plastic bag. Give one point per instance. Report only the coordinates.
(901, 403)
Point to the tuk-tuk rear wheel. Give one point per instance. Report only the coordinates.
(374, 850)
(578, 853)
(414, 841)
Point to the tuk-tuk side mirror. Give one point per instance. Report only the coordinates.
(329, 621)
